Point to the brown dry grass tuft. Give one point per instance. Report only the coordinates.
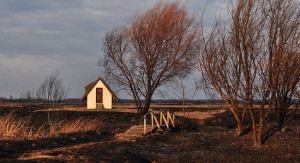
(14, 128)
(78, 125)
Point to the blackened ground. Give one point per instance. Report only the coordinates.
(212, 141)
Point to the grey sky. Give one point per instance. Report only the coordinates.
(40, 37)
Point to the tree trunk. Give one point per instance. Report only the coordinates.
(146, 106)
(240, 127)
(260, 128)
(280, 119)
(253, 127)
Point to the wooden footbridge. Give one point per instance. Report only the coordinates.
(166, 119)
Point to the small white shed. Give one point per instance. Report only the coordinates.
(98, 95)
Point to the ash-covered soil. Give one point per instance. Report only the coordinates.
(209, 140)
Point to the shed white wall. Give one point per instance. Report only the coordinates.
(107, 97)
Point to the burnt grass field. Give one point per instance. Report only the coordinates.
(210, 140)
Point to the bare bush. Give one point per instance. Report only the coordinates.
(53, 93)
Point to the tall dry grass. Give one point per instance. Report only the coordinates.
(78, 125)
(14, 128)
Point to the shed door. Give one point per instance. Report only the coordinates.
(99, 95)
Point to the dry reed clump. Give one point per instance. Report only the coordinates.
(14, 128)
(78, 125)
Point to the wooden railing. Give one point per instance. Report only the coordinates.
(165, 116)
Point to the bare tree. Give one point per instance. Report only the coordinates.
(221, 74)
(282, 34)
(247, 37)
(229, 58)
(154, 48)
(255, 56)
(53, 93)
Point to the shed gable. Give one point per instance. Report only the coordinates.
(90, 87)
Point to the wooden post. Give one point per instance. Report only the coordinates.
(145, 125)
(152, 119)
(160, 122)
(165, 121)
(168, 113)
(171, 120)
(174, 119)
(156, 121)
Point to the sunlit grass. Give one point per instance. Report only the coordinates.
(14, 128)
(78, 125)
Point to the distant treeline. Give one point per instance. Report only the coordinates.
(131, 101)
(172, 101)
(187, 101)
